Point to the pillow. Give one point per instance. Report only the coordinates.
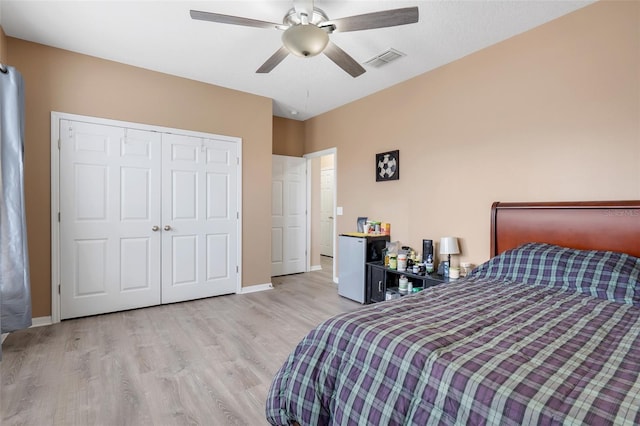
(604, 274)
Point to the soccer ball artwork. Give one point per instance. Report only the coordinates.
(387, 166)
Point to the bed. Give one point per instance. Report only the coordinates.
(546, 332)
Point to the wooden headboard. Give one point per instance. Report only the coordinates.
(587, 225)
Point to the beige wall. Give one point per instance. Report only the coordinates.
(288, 137)
(58, 80)
(552, 114)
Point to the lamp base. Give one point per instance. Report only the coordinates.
(447, 265)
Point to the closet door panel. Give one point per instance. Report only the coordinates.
(199, 241)
(109, 203)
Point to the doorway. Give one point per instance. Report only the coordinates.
(321, 203)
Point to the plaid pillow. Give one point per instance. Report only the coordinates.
(603, 274)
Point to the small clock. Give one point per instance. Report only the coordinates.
(388, 166)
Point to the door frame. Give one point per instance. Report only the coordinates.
(309, 157)
(55, 190)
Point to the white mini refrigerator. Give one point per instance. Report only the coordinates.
(354, 251)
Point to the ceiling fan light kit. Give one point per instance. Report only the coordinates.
(305, 40)
(307, 29)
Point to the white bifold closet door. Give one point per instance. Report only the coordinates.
(145, 218)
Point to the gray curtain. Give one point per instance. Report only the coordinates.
(15, 294)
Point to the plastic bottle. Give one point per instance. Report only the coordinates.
(428, 264)
(393, 261)
(402, 262)
(403, 282)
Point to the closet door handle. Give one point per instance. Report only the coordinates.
(167, 228)
(155, 228)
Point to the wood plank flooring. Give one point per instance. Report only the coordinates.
(205, 362)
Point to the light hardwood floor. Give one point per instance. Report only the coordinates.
(206, 362)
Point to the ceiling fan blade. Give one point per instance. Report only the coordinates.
(343, 60)
(368, 21)
(233, 20)
(273, 61)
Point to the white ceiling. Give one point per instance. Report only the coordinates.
(161, 36)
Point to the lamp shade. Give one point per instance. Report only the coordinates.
(449, 245)
(305, 40)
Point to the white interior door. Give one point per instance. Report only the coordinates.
(199, 218)
(109, 205)
(288, 215)
(326, 212)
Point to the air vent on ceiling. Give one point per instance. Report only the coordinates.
(384, 58)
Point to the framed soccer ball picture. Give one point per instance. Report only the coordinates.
(388, 166)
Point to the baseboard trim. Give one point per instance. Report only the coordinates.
(256, 288)
(315, 268)
(41, 321)
(35, 322)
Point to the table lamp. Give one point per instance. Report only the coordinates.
(449, 246)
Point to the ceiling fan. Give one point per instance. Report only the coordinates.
(307, 28)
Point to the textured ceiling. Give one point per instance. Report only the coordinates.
(161, 36)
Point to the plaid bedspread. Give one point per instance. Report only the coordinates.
(474, 352)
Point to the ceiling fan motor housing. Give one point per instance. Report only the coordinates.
(293, 18)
